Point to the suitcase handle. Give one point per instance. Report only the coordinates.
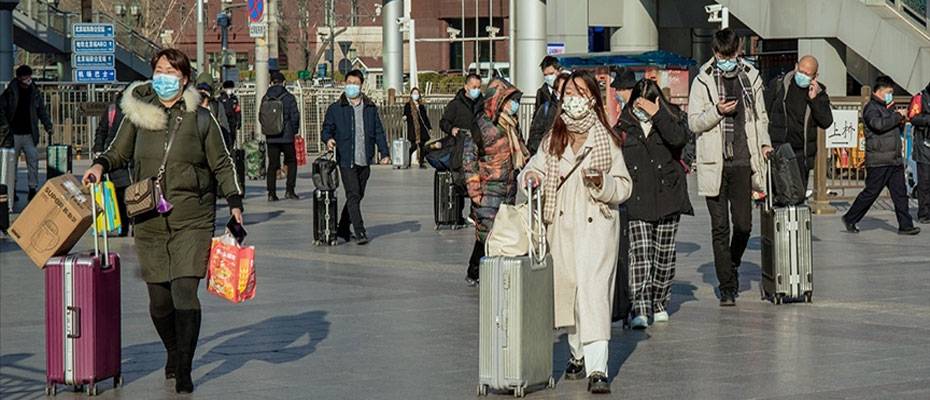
(769, 205)
(93, 210)
(74, 328)
(535, 225)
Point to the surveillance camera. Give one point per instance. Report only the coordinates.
(452, 31)
(713, 8)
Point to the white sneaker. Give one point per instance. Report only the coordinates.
(660, 317)
(640, 322)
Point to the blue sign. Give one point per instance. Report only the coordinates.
(94, 61)
(256, 10)
(85, 46)
(85, 30)
(95, 75)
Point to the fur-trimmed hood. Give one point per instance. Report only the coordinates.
(142, 107)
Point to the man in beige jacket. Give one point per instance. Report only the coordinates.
(726, 112)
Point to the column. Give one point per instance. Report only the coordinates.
(392, 42)
(639, 32)
(6, 39)
(529, 44)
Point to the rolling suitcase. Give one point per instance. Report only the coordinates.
(786, 251)
(447, 203)
(325, 217)
(8, 174)
(400, 154)
(516, 318)
(58, 160)
(82, 318)
(239, 163)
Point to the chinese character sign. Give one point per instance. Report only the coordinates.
(843, 132)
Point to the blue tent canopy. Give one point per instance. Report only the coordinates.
(659, 58)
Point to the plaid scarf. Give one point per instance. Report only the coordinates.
(729, 121)
(600, 160)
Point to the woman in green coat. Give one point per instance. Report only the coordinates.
(174, 246)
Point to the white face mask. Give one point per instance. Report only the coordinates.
(415, 96)
(576, 107)
(229, 92)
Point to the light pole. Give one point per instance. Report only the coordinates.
(6, 39)
(200, 52)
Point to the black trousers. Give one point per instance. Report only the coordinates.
(274, 164)
(477, 253)
(923, 191)
(354, 180)
(876, 179)
(179, 294)
(414, 146)
(803, 166)
(733, 202)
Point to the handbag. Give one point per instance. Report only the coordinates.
(518, 230)
(144, 196)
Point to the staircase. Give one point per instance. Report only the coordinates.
(892, 35)
(39, 27)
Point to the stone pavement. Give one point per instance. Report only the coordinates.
(395, 320)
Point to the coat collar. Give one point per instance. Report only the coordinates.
(344, 101)
(141, 106)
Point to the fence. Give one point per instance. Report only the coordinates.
(66, 104)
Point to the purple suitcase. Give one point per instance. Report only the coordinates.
(82, 319)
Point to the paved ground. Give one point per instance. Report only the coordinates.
(394, 320)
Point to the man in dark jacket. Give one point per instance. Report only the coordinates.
(24, 108)
(106, 131)
(283, 143)
(798, 105)
(460, 114)
(233, 111)
(884, 162)
(550, 68)
(353, 127)
(547, 103)
(920, 118)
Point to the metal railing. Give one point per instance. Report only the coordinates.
(71, 124)
(916, 11)
(129, 38)
(47, 14)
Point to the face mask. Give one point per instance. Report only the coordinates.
(415, 96)
(802, 80)
(640, 114)
(549, 79)
(474, 94)
(514, 107)
(229, 92)
(727, 65)
(353, 91)
(620, 100)
(166, 86)
(889, 98)
(576, 107)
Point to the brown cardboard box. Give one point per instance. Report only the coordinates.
(54, 220)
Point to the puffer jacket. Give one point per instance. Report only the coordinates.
(819, 115)
(883, 145)
(921, 124)
(489, 174)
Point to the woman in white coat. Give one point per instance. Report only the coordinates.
(584, 178)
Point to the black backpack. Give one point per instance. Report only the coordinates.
(271, 116)
(325, 172)
(786, 178)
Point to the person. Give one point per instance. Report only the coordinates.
(460, 114)
(418, 125)
(545, 115)
(205, 88)
(493, 155)
(655, 134)
(106, 131)
(884, 160)
(921, 122)
(797, 106)
(726, 114)
(352, 127)
(233, 111)
(173, 247)
(580, 209)
(284, 143)
(24, 107)
(623, 84)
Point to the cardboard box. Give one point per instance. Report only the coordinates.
(54, 220)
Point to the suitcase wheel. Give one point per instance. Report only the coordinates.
(51, 389)
(317, 243)
(519, 391)
(436, 228)
(118, 381)
(809, 297)
(551, 384)
(779, 298)
(91, 389)
(332, 243)
(482, 390)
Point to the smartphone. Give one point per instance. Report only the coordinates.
(236, 229)
(732, 98)
(593, 177)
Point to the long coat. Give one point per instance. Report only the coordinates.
(583, 242)
(176, 244)
(424, 122)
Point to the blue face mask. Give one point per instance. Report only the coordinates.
(802, 80)
(549, 79)
(474, 94)
(727, 65)
(514, 107)
(640, 114)
(353, 91)
(620, 101)
(889, 98)
(166, 86)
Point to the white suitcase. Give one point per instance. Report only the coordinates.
(516, 321)
(8, 173)
(400, 154)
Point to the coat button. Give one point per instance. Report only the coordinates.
(590, 220)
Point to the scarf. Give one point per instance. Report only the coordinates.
(415, 113)
(600, 160)
(729, 121)
(518, 151)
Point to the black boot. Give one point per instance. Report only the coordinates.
(188, 326)
(166, 331)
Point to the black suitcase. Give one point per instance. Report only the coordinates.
(622, 303)
(239, 163)
(58, 160)
(325, 217)
(4, 209)
(447, 202)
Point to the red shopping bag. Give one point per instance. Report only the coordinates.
(231, 269)
(300, 145)
(916, 106)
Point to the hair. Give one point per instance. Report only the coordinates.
(229, 84)
(726, 42)
(559, 138)
(23, 70)
(356, 73)
(277, 77)
(472, 75)
(883, 82)
(415, 89)
(649, 90)
(177, 59)
(561, 78)
(550, 61)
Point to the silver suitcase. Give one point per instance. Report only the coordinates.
(8, 173)
(516, 322)
(400, 154)
(786, 253)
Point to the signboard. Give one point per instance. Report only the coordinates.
(844, 131)
(93, 60)
(554, 49)
(257, 29)
(256, 10)
(93, 46)
(95, 75)
(86, 30)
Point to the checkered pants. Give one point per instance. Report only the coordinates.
(652, 263)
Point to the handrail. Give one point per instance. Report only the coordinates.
(916, 12)
(128, 37)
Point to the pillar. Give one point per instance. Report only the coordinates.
(392, 42)
(529, 44)
(639, 32)
(6, 39)
(567, 23)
